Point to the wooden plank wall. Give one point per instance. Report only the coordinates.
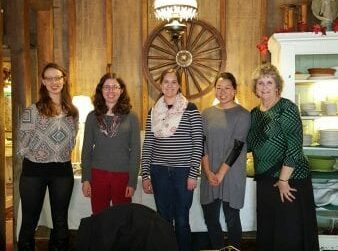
(90, 53)
(89, 34)
(2, 150)
(114, 31)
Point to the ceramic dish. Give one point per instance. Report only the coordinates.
(312, 113)
(328, 71)
(324, 196)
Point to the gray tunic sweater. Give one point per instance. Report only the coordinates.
(221, 128)
(120, 153)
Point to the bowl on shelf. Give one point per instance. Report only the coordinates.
(307, 139)
(321, 71)
(312, 113)
(321, 163)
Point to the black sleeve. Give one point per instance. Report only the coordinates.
(235, 152)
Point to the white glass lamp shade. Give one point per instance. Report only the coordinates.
(84, 105)
(175, 9)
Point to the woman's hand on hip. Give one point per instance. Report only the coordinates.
(285, 190)
(129, 192)
(86, 189)
(191, 184)
(147, 187)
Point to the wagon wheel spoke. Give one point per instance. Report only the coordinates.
(165, 41)
(206, 66)
(198, 37)
(209, 50)
(201, 74)
(162, 50)
(196, 84)
(157, 67)
(201, 45)
(160, 58)
(199, 56)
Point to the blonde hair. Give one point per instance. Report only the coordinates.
(267, 70)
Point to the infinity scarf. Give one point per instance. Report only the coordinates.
(165, 121)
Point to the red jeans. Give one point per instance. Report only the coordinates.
(108, 186)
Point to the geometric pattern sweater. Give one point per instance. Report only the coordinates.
(276, 139)
(46, 139)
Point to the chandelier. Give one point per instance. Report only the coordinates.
(182, 10)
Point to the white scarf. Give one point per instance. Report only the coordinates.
(165, 121)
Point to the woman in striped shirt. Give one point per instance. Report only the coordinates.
(171, 155)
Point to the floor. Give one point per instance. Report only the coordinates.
(200, 240)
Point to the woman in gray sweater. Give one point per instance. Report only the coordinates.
(111, 146)
(223, 178)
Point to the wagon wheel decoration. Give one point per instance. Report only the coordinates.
(199, 56)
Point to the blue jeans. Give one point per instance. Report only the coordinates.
(211, 217)
(173, 200)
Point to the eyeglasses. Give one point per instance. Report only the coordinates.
(110, 87)
(53, 79)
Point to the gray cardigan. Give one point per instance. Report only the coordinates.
(120, 153)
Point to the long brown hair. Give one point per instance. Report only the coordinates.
(122, 106)
(45, 104)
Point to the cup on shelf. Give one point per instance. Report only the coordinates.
(307, 139)
(331, 108)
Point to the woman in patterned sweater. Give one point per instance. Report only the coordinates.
(171, 155)
(286, 218)
(47, 136)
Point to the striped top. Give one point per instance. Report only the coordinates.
(183, 149)
(276, 139)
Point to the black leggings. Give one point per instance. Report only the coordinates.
(32, 191)
(232, 218)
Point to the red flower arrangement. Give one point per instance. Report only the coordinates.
(262, 46)
(316, 28)
(335, 25)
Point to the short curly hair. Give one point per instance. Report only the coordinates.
(267, 70)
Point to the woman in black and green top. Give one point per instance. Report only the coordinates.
(286, 218)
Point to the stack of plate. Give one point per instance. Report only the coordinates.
(307, 139)
(328, 137)
(309, 109)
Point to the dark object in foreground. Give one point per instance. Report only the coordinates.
(126, 227)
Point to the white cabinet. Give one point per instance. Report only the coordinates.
(296, 52)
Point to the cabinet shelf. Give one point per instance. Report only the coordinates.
(324, 176)
(320, 150)
(318, 117)
(297, 52)
(330, 207)
(312, 81)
